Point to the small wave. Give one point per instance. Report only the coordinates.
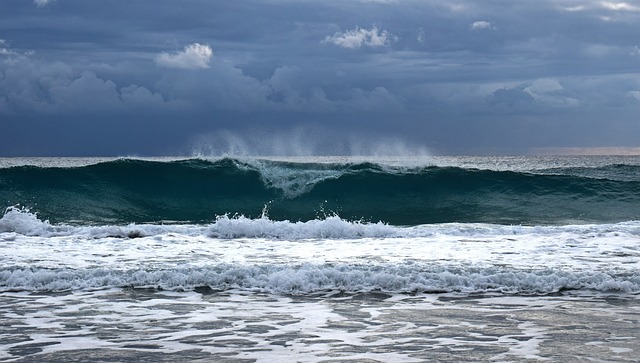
(310, 278)
(23, 222)
(331, 227)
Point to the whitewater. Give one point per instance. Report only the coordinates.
(320, 259)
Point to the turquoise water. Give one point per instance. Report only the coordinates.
(531, 191)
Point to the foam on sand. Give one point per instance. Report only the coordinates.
(117, 324)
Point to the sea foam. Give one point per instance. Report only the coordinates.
(330, 227)
(24, 222)
(309, 278)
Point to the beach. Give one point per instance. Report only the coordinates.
(234, 326)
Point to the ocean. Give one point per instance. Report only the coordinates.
(320, 259)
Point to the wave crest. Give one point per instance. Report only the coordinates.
(22, 221)
(309, 278)
(331, 227)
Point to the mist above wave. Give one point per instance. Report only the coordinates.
(301, 141)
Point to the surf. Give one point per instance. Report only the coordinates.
(199, 190)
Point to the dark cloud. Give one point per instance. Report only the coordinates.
(463, 77)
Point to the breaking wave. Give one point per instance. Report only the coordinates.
(197, 191)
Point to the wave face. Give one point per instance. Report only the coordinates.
(196, 191)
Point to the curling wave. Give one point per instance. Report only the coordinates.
(196, 191)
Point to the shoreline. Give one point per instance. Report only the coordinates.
(239, 326)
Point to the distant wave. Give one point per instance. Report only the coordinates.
(197, 191)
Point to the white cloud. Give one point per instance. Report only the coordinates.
(358, 37)
(481, 25)
(42, 3)
(194, 56)
(4, 48)
(574, 8)
(619, 6)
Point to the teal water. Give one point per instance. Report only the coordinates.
(198, 190)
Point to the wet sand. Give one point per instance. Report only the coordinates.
(143, 325)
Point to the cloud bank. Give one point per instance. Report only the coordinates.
(87, 78)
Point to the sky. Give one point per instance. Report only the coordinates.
(318, 77)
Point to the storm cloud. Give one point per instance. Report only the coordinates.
(179, 77)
